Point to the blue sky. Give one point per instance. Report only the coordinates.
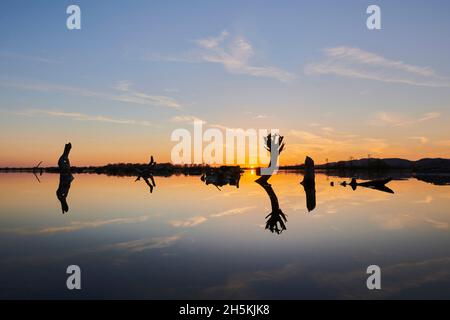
(138, 69)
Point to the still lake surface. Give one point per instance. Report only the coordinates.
(188, 240)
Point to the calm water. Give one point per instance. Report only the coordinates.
(190, 240)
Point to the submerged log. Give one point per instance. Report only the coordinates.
(379, 184)
(372, 183)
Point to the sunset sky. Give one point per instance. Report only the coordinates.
(137, 70)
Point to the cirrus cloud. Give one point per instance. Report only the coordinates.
(235, 55)
(356, 63)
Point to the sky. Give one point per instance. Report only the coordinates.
(137, 70)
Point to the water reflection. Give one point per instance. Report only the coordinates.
(379, 184)
(123, 240)
(147, 174)
(436, 179)
(38, 169)
(310, 192)
(36, 176)
(276, 219)
(65, 178)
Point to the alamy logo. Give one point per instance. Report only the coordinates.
(237, 146)
(374, 280)
(374, 20)
(74, 280)
(73, 22)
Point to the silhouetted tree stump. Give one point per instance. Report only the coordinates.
(309, 184)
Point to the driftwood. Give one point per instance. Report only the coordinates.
(378, 184)
(147, 174)
(371, 183)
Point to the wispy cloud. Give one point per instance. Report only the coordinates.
(422, 140)
(443, 143)
(332, 142)
(235, 55)
(328, 129)
(438, 224)
(401, 279)
(409, 221)
(190, 57)
(185, 119)
(49, 87)
(428, 199)
(189, 119)
(123, 93)
(260, 116)
(395, 120)
(191, 222)
(81, 225)
(194, 221)
(81, 117)
(32, 58)
(308, 136)
(131, 95)
(143, 244)
(356, 63)
(232, 212)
